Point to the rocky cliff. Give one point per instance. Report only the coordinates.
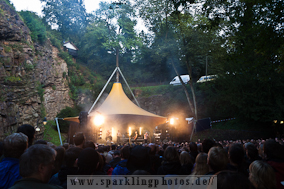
(32, 77)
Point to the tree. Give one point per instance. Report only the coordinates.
(68, 15)
(251, 72)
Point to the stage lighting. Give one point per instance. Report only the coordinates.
(99, 120)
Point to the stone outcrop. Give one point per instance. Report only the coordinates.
(32, 77)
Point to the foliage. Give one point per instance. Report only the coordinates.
(13, 79)
(34, 23)
(69, 15)
(67, 112)
(51, 134)
(7, 49)
(40, 91)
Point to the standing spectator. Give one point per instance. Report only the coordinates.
(186, 163)
(116, 159)
(207, 144)
(193, 152)
(14, 146)
(201, 167)
(275, 158)
(121, 168)
(29, 131)
(36, 165)
(262, 175)
(138, 159)
(79, 140)
(233, 180)
(88, 161)
(171, 165)
(236, 157)
(70, 167)
(217, 160)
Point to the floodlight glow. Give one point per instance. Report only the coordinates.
(275, 121)
(99, 120)
(37, 129)
(281, 122)
(140, 130)
(129, 131)
(172, 121)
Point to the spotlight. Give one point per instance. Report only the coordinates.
(172, 121)
(99, 120)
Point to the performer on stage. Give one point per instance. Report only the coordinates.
(146, 137)
(135, 137)
(118, 136)
(108, 136)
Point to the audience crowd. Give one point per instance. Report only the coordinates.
(238, 164)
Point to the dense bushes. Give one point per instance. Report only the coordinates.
(34, 23)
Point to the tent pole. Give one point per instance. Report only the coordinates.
(128, 87)
(58, 129)
(103, 90)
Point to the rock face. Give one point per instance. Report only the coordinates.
(32, 76)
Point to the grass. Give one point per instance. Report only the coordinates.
(51, 134)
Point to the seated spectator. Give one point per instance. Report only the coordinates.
(29, 131)
(262, 175)
(207, 144)
(36, 165)
(121, 168)
(193, 152)
(236, 158)
(275, 158)
(201, 167)
(88, 161)
(171, 164)
(186, 163)
(217, 160)
(116, 159)
(14, 146)
(233, 180)
(70, 167)
(79, 139)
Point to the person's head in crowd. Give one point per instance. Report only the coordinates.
(262, 175)
(88, 161)
(252, 152)
(79, 139)
(139, 159)
(236, 154)
(50, 144)
(100, 150)
(116, 154)
(113, 147)
(89, 144)
(165, 146)
(193, 147)
(233, 180)
(217, 159)
(71, 155)
(185, 158)
(66, 146)
(207, 144)
(201, 166)
(125, 152)
(38, 162)
(40, 141)
(102, 162)
(60, 155)
(29, 131)
(15, 145)
(273, 150)
(140, 172)
(153, 149)
(171, 155)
